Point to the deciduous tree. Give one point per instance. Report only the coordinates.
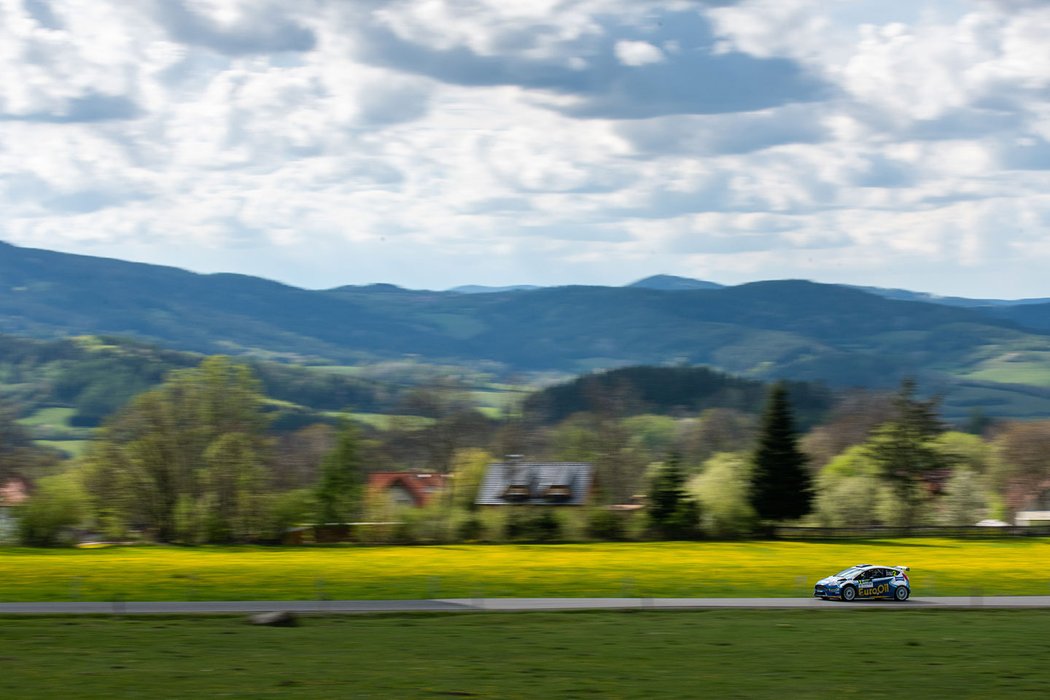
(341, 487)
(905, 449)
(190, 449)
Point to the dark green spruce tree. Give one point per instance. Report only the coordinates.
(781, 488)
(673, 513)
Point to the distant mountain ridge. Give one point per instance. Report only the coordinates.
(905, 295)
(483, 289)
(674, 283)
(791, 328)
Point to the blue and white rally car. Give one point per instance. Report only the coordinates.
(865, 581)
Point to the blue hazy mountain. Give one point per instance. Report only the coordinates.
(787, 328)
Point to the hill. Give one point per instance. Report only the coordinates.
(673, 283)
(780, 329)
(65, 388)
(671, 390)
(1035, 316)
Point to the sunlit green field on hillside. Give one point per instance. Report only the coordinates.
(1022, 367)
(716, 654)
(51, 417)
(782, 569)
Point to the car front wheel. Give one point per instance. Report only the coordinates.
(849, 594)
(901, 593)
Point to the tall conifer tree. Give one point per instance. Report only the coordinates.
(780, 484)
(673, 513)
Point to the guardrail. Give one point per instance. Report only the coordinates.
(888, 532)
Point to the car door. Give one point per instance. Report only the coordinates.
(865, 584)
(880, 582)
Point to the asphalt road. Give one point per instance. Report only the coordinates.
(508, 605)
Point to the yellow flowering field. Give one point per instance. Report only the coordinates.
(673, 569)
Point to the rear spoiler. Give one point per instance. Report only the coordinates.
(903, 568)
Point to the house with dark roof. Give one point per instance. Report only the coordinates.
(415, 489)
(516, 482)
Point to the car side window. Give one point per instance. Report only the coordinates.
(878, 573)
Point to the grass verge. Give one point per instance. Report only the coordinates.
(724, 654)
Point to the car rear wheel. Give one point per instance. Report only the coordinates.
(849, 594)
(901, 593)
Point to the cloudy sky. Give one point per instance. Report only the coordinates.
(433, 143)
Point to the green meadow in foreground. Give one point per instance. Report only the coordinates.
(718, 654)
(672, 569)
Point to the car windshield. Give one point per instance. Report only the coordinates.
(850, 571)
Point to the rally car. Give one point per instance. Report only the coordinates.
(865, 581)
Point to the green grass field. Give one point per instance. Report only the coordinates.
(72, 448)
(716, 654)
(53, 417)
(1021, 367)
(50, 427)
(694, 569)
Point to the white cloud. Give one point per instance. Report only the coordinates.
(638, 53)
(439, 142)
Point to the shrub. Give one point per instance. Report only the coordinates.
(432, 525)
(608, 525)
(470, 529)
(288, 509)
(57, 506)
(528, 525)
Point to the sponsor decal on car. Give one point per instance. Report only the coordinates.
(871, 590)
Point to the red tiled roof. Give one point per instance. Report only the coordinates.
(421, 486)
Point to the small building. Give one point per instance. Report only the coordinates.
(516, 482)
(13, 492)
(1038, 507)
(415, 489)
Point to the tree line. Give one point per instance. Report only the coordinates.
(198, 459)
